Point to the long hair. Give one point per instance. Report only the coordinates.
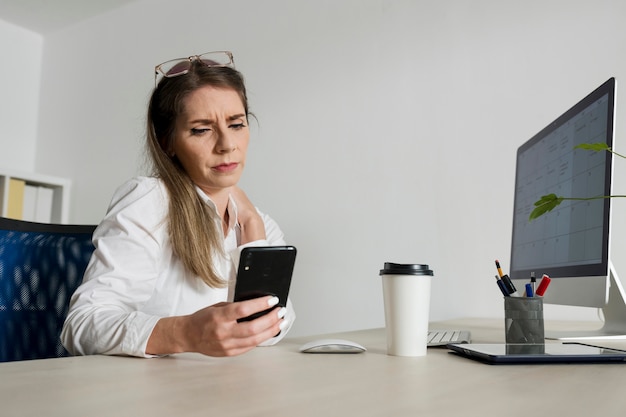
(194, 229)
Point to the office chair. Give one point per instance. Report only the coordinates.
(40, 267)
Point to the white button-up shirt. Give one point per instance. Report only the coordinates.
(133, 278)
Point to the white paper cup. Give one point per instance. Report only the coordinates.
(406, 292)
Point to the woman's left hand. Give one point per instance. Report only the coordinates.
(251, 223)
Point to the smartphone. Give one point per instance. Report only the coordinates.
(265, 270)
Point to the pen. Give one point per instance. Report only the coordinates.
(529, 290)
(501, 286)
(543, 285)
(499, 269)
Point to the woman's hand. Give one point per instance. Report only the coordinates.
(251, 223)
(214, 330)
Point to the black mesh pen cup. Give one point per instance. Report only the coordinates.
(523, 324)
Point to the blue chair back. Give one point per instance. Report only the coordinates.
(40, 267)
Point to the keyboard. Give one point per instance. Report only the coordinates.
(443, 337)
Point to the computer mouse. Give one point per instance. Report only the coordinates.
(332, 346)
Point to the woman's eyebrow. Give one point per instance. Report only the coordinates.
(211, 121)
(203, 121)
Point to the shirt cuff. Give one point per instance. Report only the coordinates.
(140, 326)
(235, 255)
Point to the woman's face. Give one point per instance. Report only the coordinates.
(211, 138)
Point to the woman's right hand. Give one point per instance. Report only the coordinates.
(215, 331)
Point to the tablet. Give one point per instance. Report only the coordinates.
(569, 352)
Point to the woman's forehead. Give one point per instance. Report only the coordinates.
(210, 99)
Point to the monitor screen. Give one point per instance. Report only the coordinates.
(571, 242)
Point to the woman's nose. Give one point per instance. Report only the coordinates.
(225, 143)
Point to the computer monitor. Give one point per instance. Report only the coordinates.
(570, 243)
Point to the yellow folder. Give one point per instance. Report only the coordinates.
(15, 205)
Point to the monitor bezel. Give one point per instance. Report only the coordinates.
(586, 270)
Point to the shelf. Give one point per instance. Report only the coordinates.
(11, 193)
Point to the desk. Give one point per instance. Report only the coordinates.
(280, 381)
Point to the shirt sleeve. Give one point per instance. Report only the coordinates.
(104, 314)
(108, 312)
(274, 237)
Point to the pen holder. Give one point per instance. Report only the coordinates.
(523, 324)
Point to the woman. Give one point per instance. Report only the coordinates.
(166, 252)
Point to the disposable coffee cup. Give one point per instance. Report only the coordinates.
(406, 294)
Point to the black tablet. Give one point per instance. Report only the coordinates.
(569, 352)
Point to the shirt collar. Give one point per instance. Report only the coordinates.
(231, 208)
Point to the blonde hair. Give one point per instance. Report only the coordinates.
(194, 228)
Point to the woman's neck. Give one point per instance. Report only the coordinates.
(220, 199)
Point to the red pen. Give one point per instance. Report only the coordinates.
(543, 285)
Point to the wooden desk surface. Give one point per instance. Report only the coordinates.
(280, 381)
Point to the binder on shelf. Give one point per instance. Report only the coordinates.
(43, 211)
(15, 204)
(30, 202)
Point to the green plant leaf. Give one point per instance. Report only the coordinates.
(548, 202)
(545, 204)
(596, 147)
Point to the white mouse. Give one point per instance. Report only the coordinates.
(332, 346)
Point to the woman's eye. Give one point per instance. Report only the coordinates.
(199, 131)
(238, 126)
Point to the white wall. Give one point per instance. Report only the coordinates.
(20, 70)
(387, 129)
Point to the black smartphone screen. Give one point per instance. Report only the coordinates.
(265, 270)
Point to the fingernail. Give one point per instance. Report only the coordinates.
(272, 301)
(283, 324)
(281, 312)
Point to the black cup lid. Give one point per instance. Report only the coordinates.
(405, 269)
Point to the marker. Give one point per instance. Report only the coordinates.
(529, 290)
(509, 286)
(501, 286)
(533, 280)
(543, 285)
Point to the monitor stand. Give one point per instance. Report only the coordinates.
(614, 316)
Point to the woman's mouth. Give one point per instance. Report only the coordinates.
(229, 167)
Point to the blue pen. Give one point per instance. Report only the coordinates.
(529, 290)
